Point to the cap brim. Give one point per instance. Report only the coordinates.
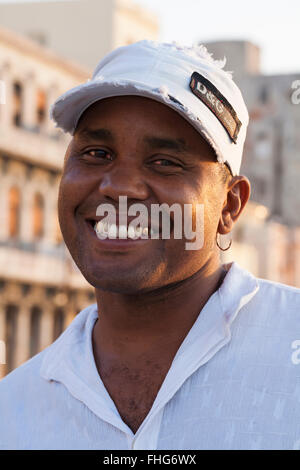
(68, 109)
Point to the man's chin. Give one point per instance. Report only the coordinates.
(119, 286)
(121, 281)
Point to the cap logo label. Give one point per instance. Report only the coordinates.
(217, 103)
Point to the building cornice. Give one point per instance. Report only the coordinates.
(42, 53)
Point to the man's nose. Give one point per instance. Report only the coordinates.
(123, 181)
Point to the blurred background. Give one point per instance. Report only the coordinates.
(47, 47)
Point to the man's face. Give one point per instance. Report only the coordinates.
(142, 149)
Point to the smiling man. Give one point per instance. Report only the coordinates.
(179, 351)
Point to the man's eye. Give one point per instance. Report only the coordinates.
(165, 162)
(98, 153)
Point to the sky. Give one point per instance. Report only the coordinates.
(271, 24)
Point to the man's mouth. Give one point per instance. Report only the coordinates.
(105, 229)
(111, 230)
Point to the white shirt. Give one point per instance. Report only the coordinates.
(233, 384)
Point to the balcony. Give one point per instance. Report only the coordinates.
(42, 264)
(35, 147)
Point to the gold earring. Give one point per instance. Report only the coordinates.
(223, 249)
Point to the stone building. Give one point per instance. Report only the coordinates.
(81, 30)
(266, 239)
(272, 149)
(41, 290)
(264, 246)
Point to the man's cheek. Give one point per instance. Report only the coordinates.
(67, 202)
(79, 182)
(70, 192)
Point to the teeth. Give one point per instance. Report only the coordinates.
(139, 231)
(122, 231)
(111, 230)
(101, 229)
(131, 232)
(154, 232)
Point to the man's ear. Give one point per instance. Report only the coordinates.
(238, 193)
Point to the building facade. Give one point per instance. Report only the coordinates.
(264, 246)
(81, 30)
(40, 288)
(266, 239)
(271, 157)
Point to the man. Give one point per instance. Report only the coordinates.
(179, 352)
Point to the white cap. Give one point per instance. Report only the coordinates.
(186, 79)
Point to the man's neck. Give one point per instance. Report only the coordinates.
(154, 323)
(136, 338)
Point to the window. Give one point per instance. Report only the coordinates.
(35, 326)
(17, 103)
(38, 216)
(40, 108)
(263, 146)
(38, 36)
(14, 201)
(264, 94)
(259, 188)
(11, 316)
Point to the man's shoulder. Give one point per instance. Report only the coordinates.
(25, 373)
(21, 392)
(264, 303)
(30, 371)
(259, 296)
(279, 292)
(29, 392)
(23, 387)
(275, 306)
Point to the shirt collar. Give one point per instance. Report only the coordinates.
(70, 359)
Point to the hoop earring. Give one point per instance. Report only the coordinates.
(223, 249)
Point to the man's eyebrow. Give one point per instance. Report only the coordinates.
(95, 134)
(178, 145)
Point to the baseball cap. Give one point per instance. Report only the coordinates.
(187, 79)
